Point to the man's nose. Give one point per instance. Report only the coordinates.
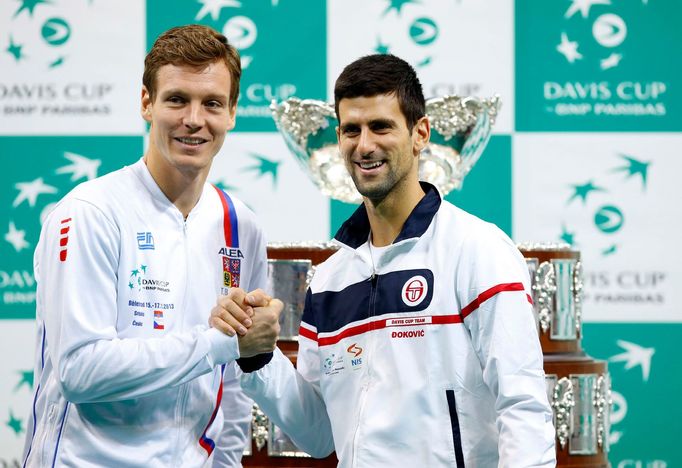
(366, 143)
(193, 117)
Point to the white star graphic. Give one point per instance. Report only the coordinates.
(635, 355)
(213, 7)
(611, 61)
(16, 237)
(30, 191)
(569, 49)
(81, 167)
(584, 7)
(246, 61)
(615, 437)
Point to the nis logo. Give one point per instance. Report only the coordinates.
(355, 351)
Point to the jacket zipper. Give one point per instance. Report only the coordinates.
(454, 423)
(365, 386)
(182, 389)
(45, 444)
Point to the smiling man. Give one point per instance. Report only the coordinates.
(129, 266)
(418, 344)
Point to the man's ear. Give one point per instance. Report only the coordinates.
(421, 133)
(146, 105)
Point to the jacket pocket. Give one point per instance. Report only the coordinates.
(454, 424)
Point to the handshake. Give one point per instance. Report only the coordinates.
(253, 317)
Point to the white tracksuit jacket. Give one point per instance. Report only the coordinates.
(127, 371)
(429, 358)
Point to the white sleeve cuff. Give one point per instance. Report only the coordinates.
(222, 348)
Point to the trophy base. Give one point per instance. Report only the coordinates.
(578, 367)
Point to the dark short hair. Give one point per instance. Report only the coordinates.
(193, 45)
(377, 74)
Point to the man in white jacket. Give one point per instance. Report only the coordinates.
(129, 266)
(418, 344)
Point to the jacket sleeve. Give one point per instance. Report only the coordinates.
(494, 296)
(77, 299)
(292, 398)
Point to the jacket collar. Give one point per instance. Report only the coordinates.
(355, 230)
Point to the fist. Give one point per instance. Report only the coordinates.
(232, 313)
(264, 331)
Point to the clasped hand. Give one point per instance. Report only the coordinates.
(253, 317)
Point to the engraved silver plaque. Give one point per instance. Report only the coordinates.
(557, 291)
(582, 406)
(583, 439)
(288, 281)
(564, 317)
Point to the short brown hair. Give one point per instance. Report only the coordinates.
(376, 74)
(194, 45)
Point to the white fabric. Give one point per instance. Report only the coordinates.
(113, 389)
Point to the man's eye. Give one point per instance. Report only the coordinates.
(214, 104)
(175, 100)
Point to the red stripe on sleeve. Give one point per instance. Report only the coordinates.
(485, 295)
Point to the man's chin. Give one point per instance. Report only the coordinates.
(374, 194)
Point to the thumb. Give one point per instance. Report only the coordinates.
(277, 307)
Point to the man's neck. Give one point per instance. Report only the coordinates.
(387, 217)
(182, 189)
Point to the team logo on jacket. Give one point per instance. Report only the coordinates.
(414, 291)
(145, 241)
(231, 267)
(232, 261)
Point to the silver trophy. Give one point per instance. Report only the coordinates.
(460, 130)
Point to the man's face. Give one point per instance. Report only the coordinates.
(381, 154)
(189, 116)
